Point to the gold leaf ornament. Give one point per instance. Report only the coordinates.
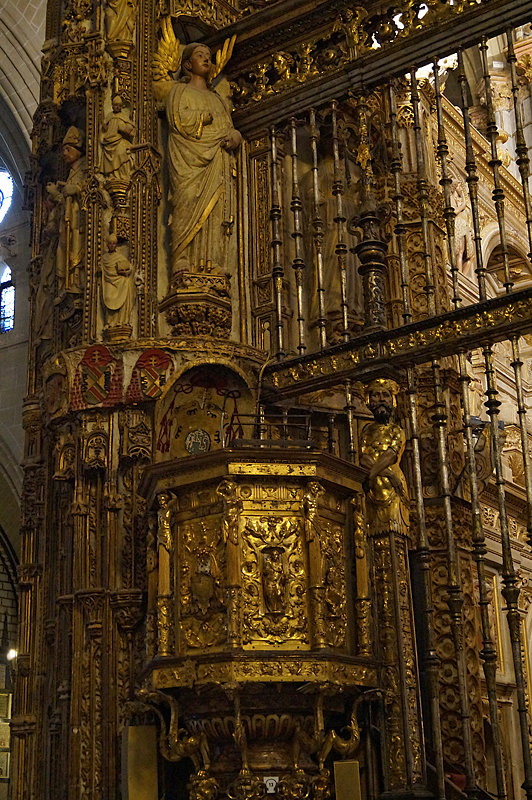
(166, 60)
(223, 55)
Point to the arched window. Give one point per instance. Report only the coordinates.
(6, 193)
(7, 301)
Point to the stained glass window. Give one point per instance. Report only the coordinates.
(6, 193)
(7, 301)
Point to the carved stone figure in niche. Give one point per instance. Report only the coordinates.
(120, 20)
(66, 458)
(201, 162)
(382, 443)
(43, 308)
(118, 286)
(274, 580)
(463, 239)
(115, 139)
(55, 388)
(70, 249)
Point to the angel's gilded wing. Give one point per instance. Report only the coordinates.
(223, 55)
(167, 59)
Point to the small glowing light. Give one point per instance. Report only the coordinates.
(11, 654)
(6, 193)
(397, 20)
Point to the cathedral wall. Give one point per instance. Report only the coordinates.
(14, 251)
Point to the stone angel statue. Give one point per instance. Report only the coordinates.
(200, 155)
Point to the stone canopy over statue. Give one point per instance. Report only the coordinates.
(200, 156)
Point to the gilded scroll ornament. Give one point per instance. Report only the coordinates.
(202, 589)
(247, 786)
(334, 585)
(354, 33)
(294, 786)
(289, 670)
(176, 742)
(202, 786)
(273, 580)
(321, 785)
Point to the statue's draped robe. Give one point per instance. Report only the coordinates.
(200, 179)
(118, 289)
(116, 154)
(119, 19)
(72, 229)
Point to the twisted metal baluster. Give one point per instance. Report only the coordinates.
(472, 177)
(488, 653)
(446, 182)
(522, 160)
(495, 164)
(276, 244)
(423, 196)
(340, 220)
(400, 227)
(516, 363)
(456, 599)
(317, 228)
(510, 589)
(298, 262)
(430, 660)
(349, 410)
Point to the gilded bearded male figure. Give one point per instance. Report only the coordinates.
(382, 444)
(201, 163)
